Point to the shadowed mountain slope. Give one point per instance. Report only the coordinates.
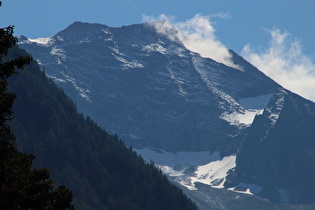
(100, 170)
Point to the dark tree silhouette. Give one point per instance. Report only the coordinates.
(21, 187)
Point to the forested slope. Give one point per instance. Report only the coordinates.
(99, 169)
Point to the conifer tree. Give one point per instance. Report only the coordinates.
(21, 187)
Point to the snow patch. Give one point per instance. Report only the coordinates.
(214, 173)
(245, 188)
(85, 40)
(59, 38)
(116, 51)
(274, 112)
(188, 168)
(60, 53)
(171, 50)
(110, 39)
(42, 41)
(175, 50)
(179, 82)
(125, 63)
(106, 31)
(180, 52)
(57, 80)
(82, 92)
(245, 118)
(128, 64)
(273, 117)
(171, 172)
(154, 48)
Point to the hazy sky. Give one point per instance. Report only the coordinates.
(278, 36)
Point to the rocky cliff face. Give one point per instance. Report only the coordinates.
(278, 153)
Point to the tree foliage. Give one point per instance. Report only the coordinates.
(21, 186)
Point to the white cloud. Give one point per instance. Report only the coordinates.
(222, 15)
(197, 34)
(163, 24)
(285, 63)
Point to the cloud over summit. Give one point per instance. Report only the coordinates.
(197, 34)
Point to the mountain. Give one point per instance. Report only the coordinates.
(148, 89)
(199, 120)
(97, 167)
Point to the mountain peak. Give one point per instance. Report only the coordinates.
(139, 64)
(78, 30)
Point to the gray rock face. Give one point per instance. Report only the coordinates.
(279, 151)
(148, 89)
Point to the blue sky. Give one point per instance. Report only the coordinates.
(249, 27)
(245, 24)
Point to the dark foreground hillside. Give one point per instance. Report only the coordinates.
(101, 172)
